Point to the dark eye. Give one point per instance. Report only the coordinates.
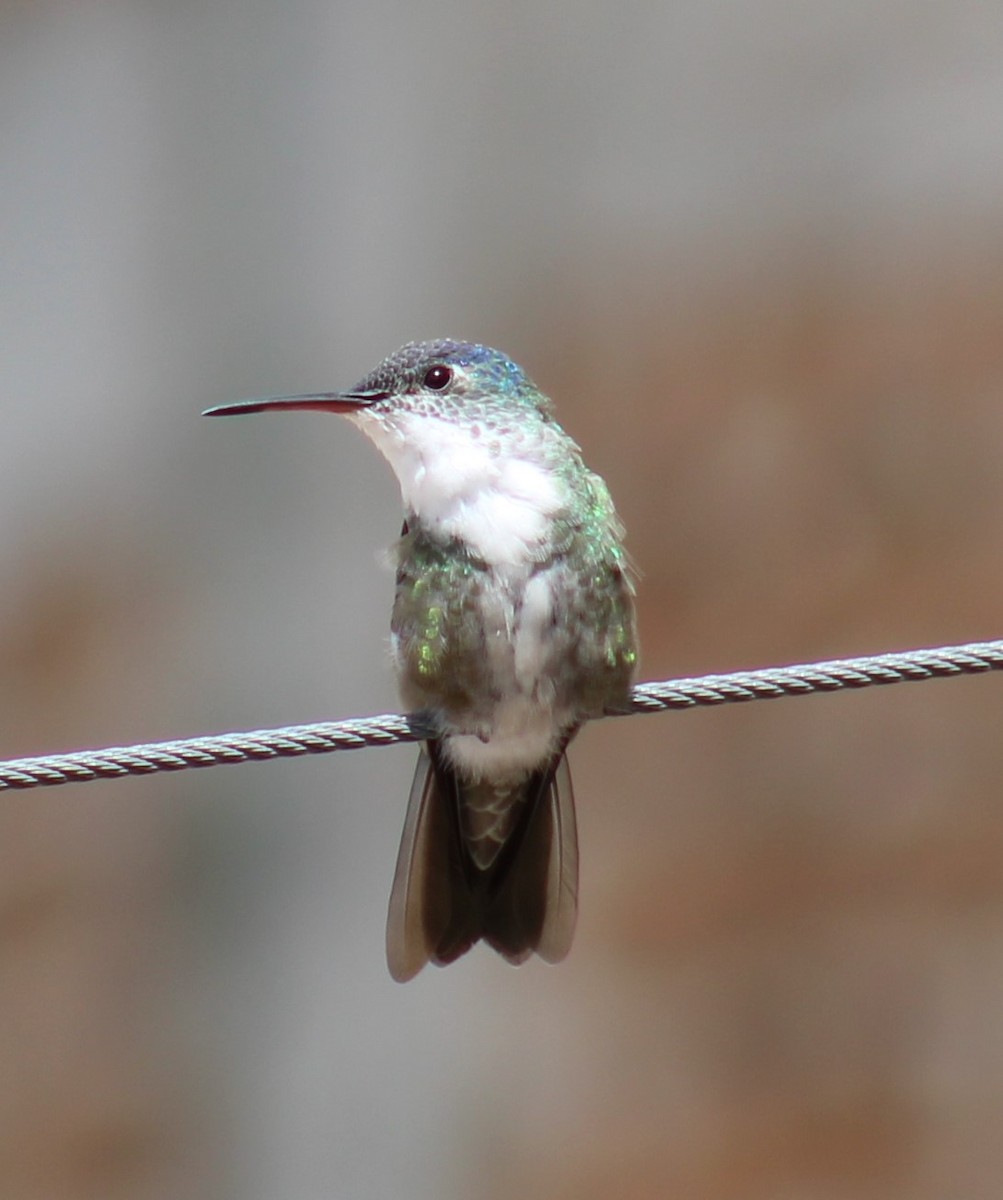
(438, 377)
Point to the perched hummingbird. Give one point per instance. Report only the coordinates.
(513, 623)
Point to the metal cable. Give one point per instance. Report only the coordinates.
(325, 737)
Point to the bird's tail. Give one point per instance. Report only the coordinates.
(522, 898)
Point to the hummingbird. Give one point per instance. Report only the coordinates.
(513, 623)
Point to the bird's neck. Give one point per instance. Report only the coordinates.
(466, 484)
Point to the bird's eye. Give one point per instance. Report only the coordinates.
(438, 377)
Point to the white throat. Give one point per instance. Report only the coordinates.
(462, 486)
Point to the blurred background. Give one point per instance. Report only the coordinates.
(754, 252)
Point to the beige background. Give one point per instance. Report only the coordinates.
(754, 252)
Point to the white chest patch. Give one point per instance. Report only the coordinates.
(500, 506)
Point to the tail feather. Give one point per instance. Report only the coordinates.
(421, 897)
(442, 902)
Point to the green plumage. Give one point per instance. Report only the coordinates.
(513, 622)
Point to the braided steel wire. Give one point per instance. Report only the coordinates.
(325, 737)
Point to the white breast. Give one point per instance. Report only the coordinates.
(463, 487)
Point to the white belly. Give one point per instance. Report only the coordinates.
(523, 736)
(520, 731)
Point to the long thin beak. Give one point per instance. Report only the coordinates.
(336, 402)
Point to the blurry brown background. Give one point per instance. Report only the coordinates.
(754, 251)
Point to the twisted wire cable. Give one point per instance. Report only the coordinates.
(325, 737)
